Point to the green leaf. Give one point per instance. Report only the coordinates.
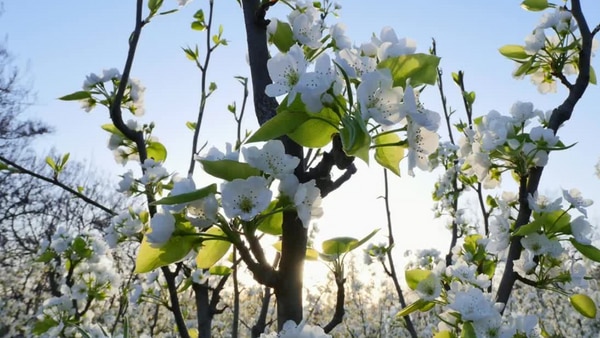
(281, 124)
(188, 197)
(156, 151)
(588, 251)
(219, 270)
(154, 5)
(271, 224)
(283, 38)
(47, 256)
(444, 334)
(355, 137)
(468, 331)
(191, 125)
(109, 127)
(584, 305)
(198, 26)
(50, 162)
(528, 229)
(593, 79)
(318, 130)
(363, 240)
(414, 276)
(389, 156)
(311, 254)
(76, 96)
(229, 170)
(419, 304)
(176, 248)
(41, 326)
(419, 68)
(212, 250)
(339, 245)
(535, 5)
(525, 68)
(514, 52)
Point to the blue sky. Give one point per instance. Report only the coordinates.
(58, 44)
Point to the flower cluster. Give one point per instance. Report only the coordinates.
(385, 99)
(546, 58)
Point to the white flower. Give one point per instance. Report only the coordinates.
(245, 198)
(155, 172)
(522, 111)
(540, 203)
(577, 201)
(472, 305)
(421, 143)
(182, 3)
(581, 230)
(389, 45)
(307, 27)
(499, 234)
(285, 71)
(303, 330)
(136, 94)
(534, 42)
(308, 202)
(338, 35)
(525, 264)
(429, 288)
(200, 276)
(543, 136)
(313, 85)
(288, 185)
(126, 183)
(163, 225)
(538, 244)
(493, 129)
(215, 154)
(545, 84)
(353, 64)
(181, 185)
(110, 74)
(271, 159)
(378, 98)
(203, 213)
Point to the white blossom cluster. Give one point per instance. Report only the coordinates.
(378, 99)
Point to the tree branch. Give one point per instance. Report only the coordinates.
(59, 184)
(529, 185)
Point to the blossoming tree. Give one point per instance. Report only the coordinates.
(323, 103)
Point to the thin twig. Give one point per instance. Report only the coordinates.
(58, 184)
(409, 325)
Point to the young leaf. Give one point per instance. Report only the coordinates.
(229, 170)
(414, 276)
(389, 156)
(156, 151)
(188, 197)
(588, 251)
(150, 258)
(584, 305)
(271, 224)
(535, 5)
(283, 38)
(281, 124)
(318, 130)
(514, 52)
(220, 270)
(419, 304)
(81, 95)
(419, 68)
(212, 249)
